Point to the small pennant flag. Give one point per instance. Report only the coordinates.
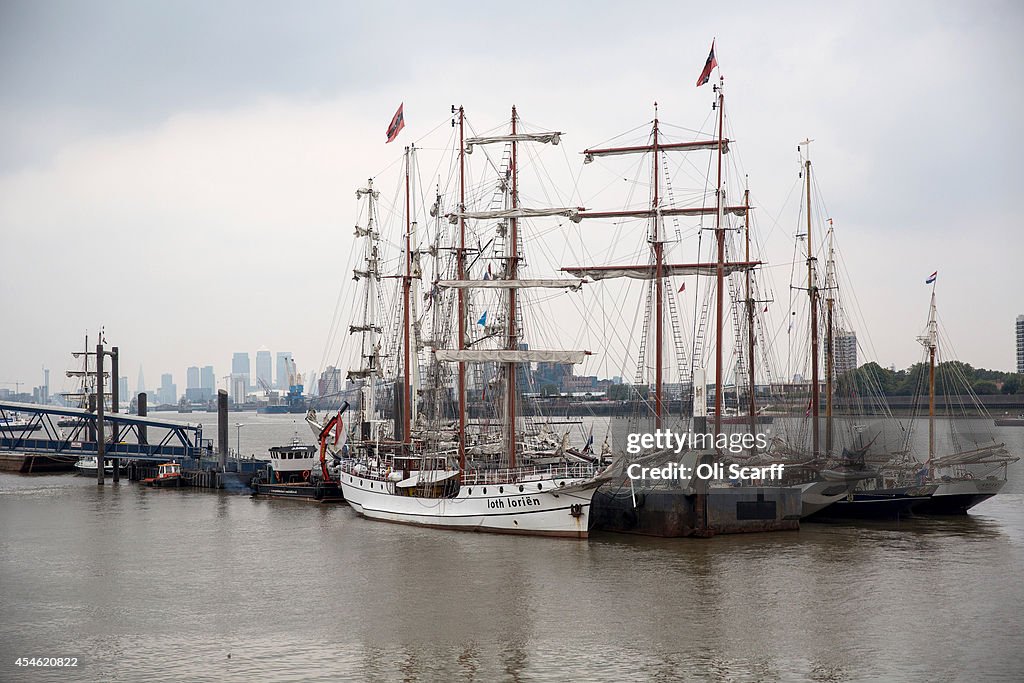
(765, 309)
(397, 123)
(682, 288)
(483, 320)
(708, 66)
(932, 278)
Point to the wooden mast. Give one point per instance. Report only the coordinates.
(461, 265)
(812, 292)
(932, 343)
(406, 286)
(512, 274)
(829, 341)
(751, 386)
(659, 281)
(719, 268)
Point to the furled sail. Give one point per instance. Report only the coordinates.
(646, 272)
(573, 284)
(510, 356)
(651, 213)
(589, 154)
(519, 212)
(546, 138)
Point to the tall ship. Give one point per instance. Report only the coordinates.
(656, 237)
(430, 465)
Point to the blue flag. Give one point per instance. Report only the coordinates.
(483, 319)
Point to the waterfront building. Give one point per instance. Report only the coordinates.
(240, 367)
(192, 378)
(1020, 344)
(168, 391)
(284, 364)
(845, 352)
(207, 380)
(122, 389)
(238, 388)
(264, 369)
(330, 381)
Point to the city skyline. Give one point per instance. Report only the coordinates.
(133, 143)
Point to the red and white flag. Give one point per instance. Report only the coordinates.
(708, 66)
(397, 123)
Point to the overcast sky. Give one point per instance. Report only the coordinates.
(183, 172)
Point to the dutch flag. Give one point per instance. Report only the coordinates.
(931, 278)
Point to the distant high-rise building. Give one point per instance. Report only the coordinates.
(240, 367)
(330, 381)
(141, 386)
(264, 367)
(200, 385)
(122, 389)
(284, 369)
(168, 392)
(1020, 344)
(846, 352)
(238, 389)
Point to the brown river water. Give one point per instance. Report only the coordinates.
(170, 585)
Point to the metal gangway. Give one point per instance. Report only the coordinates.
(126, 436)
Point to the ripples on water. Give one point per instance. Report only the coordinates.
(156, 585)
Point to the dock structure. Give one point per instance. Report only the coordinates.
(41, 441)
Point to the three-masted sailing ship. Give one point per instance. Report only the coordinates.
(424, 469)
(693, 507)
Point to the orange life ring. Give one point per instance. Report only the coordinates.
(305, 474)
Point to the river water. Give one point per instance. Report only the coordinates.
(171, 585)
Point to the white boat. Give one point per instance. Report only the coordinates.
(538, 501)
(294, 463)
(425, 472)
(86, 465)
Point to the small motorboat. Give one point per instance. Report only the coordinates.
(168, 476)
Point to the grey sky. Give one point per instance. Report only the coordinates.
(213, 149)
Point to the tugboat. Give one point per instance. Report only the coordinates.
(296, 472)
(168, 476)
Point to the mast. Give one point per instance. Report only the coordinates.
(461, 265)
(369, 362)
(829, 340)
(512, 273)
(931, 342)
(812, 292)
(751, 386)
(508, 353)
(659, 280)
(406, 309)
(719, 268)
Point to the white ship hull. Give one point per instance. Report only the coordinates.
(544, 507)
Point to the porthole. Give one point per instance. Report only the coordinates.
(501, 489)
(561, 483)
(540, 487)
(471, 492)
(485, 491)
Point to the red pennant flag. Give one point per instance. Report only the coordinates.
(708, 66)
(681, 288)
(397, 123)
(765, 310)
